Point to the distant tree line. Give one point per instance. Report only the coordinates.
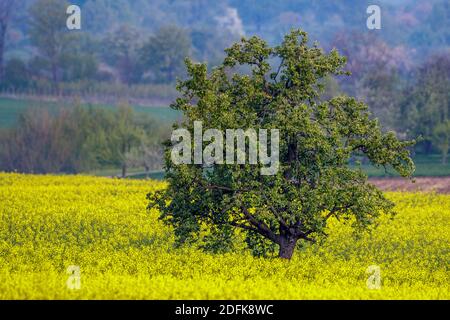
(413, 99)
(80, 139)
(119, 55)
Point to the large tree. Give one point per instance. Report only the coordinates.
(317, 138)
(5, 16)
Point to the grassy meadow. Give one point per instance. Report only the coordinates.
(48, 223)
(426, 166)
(10, 110)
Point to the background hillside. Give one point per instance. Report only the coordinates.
(130, 53)
(417, 25)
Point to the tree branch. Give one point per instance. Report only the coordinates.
(275, 212)
(261, 226)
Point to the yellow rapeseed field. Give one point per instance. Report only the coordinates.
(101, 225)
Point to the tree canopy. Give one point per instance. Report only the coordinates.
(318, 137)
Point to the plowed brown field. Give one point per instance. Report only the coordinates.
(426, 184)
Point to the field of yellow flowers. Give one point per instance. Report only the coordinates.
(122, 251)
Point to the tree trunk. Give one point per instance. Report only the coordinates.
(287, 247)
(124, 170)
(147, 172)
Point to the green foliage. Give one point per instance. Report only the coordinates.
(48, 32)
(16, 74)
(77, 139)
(441, 137)
(164, 52)
(426, 108)
(260, 246)
(127, 135)
(79, 66)
(64, 55)
(318, 137)
(120, 49)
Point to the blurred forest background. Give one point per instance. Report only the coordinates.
(96, 100)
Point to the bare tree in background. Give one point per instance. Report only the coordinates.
(5, 15)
